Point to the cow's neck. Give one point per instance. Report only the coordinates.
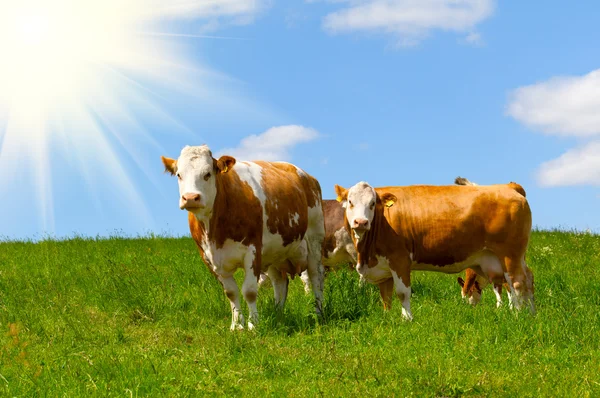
(367, 246)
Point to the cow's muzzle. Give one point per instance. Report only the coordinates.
(190, 201)
(360, 226)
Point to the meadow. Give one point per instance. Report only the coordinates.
(144, 317)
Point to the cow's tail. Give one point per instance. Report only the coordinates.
(517, 188)
(463, 181)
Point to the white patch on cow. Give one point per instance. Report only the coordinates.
(263, 280)
(305, 281)
(250, 286)
(343, 251)
(294, 219)
(360, 206)
(192, 165)
(376, 274)
(475, 298)
(411, 255)
(403, 292)
(498, 293)
(251, 174)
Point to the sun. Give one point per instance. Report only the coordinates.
(76, 74)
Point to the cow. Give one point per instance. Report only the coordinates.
(473, 284)
(262, 217)
(337, 246)
(439, 228)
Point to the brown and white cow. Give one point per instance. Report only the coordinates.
(338, 248)
(439, 228)
(258, 216)
(473, 284)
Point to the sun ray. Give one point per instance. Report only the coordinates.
(86, 79)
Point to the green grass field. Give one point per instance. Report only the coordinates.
(140, 317)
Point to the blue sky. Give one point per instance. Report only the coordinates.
(388, 92)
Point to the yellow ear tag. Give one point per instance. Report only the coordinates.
(339, 199)
(389, 203)
(225, 169)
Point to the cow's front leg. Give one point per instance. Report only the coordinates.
(233, 294)
(250, 286)
(386, 290)
(400, 269)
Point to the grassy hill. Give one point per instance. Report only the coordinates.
(139, 317)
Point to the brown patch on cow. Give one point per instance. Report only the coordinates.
(282, 204)
(237, 215)
(433, 216)
(250, 296)
(333, 213)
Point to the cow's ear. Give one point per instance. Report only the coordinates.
(388, 199)
(342, 194)
(461, 282)
(170, 165)
(225, 163)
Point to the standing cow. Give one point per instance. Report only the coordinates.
(439, 228)
(473, 284)
(258, 216)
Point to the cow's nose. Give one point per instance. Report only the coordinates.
(189, 200)
(191, 197)
(361, 223)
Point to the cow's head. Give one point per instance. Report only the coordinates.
(361, 203)
(197, 172)
(470, 289)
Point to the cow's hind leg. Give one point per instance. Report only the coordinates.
(520, 282)
(316, 272)
(280, 286)
(250, 287)
(305, 281)
(233, 294)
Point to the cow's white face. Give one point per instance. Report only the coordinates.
(196, 172)
(360, 203)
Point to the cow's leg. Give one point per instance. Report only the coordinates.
(498, 293)
(250, 287)
(263, 280)
(280, 286)
(520, 282)
(386, 290)
(530, 285)
(233, 294)
(400, 269)
(316, 271)
(305, 281)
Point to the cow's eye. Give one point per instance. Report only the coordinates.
(372, 205)
(350, 203)
(206, 176)
(179, 176)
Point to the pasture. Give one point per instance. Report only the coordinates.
(144, 317)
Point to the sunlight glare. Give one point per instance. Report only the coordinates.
(71, 72)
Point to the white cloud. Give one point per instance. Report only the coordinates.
(215, 12)
(578, 166)
(567, 106)
(409, 21)
(274, 144)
